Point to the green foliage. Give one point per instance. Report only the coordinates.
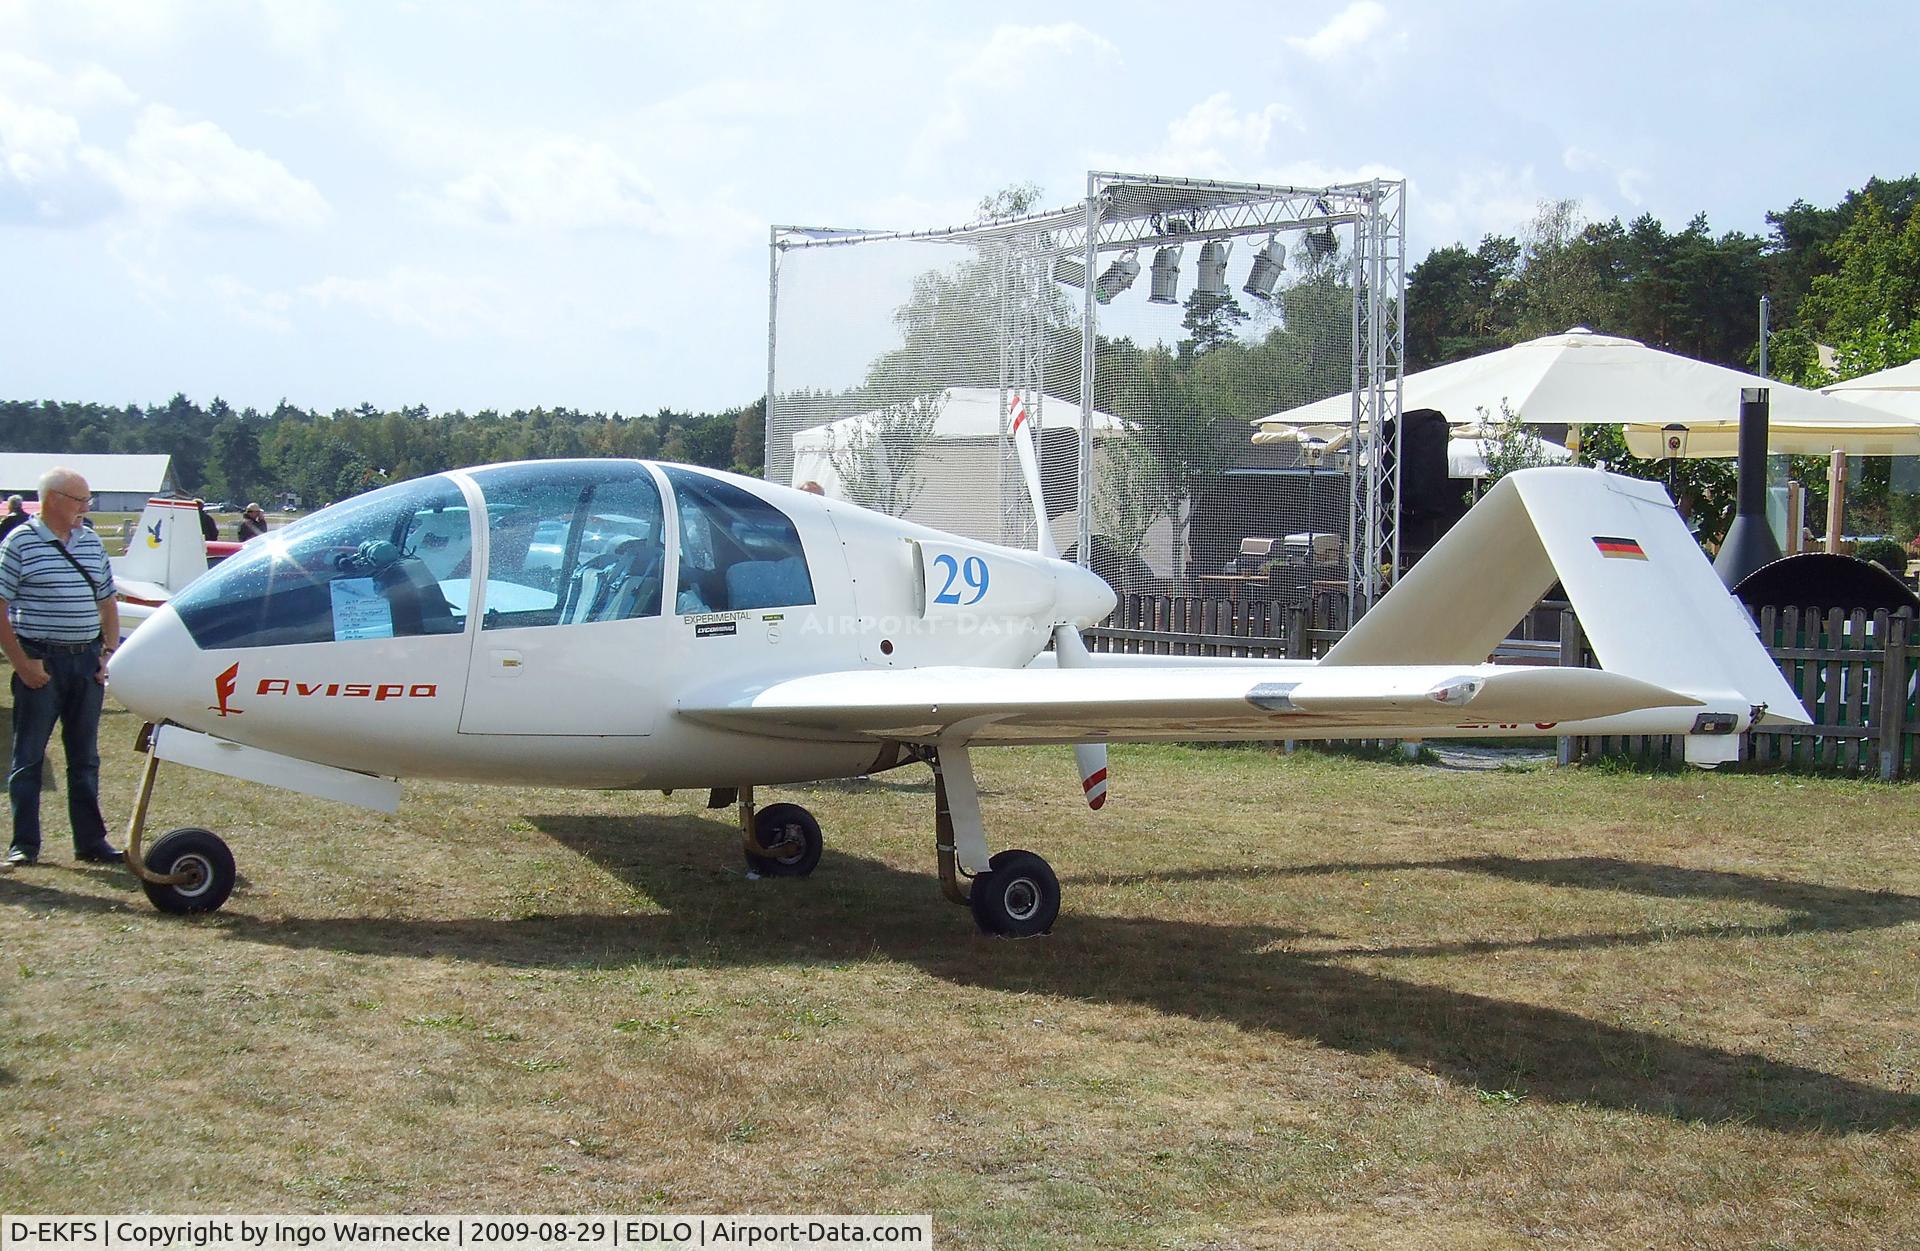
(1886, 553)
(1872, 292)
(1508, 445)
(1460, 303)
(219, 452)
(878, 457)
(1210, 322)
(1706, 491)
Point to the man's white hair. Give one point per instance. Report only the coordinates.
(58, 477)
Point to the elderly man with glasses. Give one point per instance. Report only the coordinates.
(58, 625)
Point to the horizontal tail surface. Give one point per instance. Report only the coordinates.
(1650, 604)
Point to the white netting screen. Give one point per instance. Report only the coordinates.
(894, 357)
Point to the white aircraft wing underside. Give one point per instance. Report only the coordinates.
(995, 706)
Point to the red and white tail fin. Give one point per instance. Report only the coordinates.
(166, 551)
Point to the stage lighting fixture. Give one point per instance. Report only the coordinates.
(1321, 243)
(1267, 264)
(1070, 270)
(1213, 267)
(1118, 278)
(1166, 275)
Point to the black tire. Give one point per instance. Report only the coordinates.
(1017, 897)
(791, 833)
(199, 852)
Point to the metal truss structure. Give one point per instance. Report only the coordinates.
(1122, 212)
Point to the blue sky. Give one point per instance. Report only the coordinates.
(505, 204)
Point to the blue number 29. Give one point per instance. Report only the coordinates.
(973, 573)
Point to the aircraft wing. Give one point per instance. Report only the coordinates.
(998, 706)
(144, 592)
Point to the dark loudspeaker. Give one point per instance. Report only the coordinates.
(1425, 490)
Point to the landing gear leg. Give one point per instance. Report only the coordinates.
(189, 870)
(1015, 893)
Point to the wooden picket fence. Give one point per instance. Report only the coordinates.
(1858, 673)
(1855, 673)
(1192, 625)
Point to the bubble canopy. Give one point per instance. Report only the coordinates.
(564, 543)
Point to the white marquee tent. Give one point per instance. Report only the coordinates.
(963, 460)
(1581, 378)
(1895, 390)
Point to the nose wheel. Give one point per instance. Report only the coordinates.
(779, 840)
(186, 871)
(191, 871)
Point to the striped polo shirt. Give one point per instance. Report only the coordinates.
(47, 599)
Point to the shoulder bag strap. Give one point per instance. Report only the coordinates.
(78, 568)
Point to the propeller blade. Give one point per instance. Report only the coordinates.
(1070, 652)
(1092, 759)
(1023, 445)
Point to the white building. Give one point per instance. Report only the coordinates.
(121, 484)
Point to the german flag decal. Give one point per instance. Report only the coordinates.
(1618, 549)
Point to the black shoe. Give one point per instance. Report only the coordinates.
(103, 854)
(21, 856)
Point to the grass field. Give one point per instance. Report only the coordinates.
(1291, 1002)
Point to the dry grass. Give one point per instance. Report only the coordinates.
(1292, 1002)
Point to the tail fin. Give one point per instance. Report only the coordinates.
(1650, 604)
(167, 549)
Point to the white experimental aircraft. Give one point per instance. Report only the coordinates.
(624, 624)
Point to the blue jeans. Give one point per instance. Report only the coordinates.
(72, 697)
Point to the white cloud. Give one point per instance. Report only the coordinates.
(1349, 29)
(86, 88)
(173, 166)
(1628, 181)
(446, 306)
(300, 28)
(1492, 199)
(242, 302)
(551, 181)
(54, 163)
(1211, 140)
(998, 72)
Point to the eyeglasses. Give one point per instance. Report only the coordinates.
(85, 501)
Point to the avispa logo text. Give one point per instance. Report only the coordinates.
(347, 690)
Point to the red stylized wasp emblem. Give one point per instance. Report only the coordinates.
(223, 688)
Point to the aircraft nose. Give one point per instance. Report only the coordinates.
(1081, 596)
(149, 671)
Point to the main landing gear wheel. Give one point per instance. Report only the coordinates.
(791, 836)
(1017, 897)
(204, 860)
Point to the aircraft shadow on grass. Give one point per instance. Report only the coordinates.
(859, 908)
(1214, 972)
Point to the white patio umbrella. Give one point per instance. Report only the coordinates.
(1581, 378)
(1895, 390)
(1466, 447)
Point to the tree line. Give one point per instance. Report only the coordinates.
(220, 452)
(1844, 284)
